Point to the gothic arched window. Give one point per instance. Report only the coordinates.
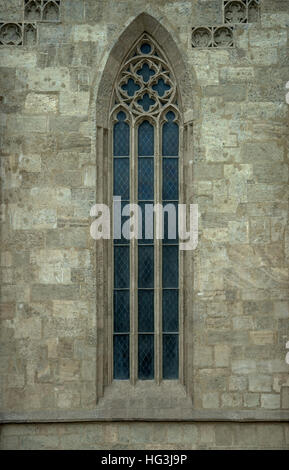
(145, 123)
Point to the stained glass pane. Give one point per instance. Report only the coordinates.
(145, 311)
(146, 72)
(170, 356)
(147, 222)
(170, 310)
(118, 221)
(171, 222)
(121, 267)
(146, 266)
(121, 136)
(121, 357)
(170, 179)
(161, 87)
(146, 102)
(121, 311)
(170, 136)
(145, 357)
(130, 87)
(121, 177)
(145, 48)
(145, 179)
(145, 139)
(170, 266)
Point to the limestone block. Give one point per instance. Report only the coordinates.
(262, 152)
(260, 383)
(74, 103)
(47, 196)
(30, 163)
(210, 400)
(222, 355)
(28, 328)
(243, 366)
(267, 38)
(68, 369)
(243, 323)
(37, 103)
(251, 400)
(281, 20)
(45, 80)
(238, 383)
(18, 57)
(259, 230)
(21, 125)
(54, 275)
(270, 401)
(207, 75)
(231, 400)
(37, 219)
(262, 337)
(203, 356)
(87, 33)
(285, 398)
(238, 231)
(237, 74)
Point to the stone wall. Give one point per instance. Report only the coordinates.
(133, 436)
(238, 177)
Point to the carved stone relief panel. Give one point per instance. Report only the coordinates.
(11, 34)
(213, 36)
(241, 11)
(18, 34)
(42, 10)
(24, 32)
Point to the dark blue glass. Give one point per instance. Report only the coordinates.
(146, 72)
(121, 137)
(170, 222)
(121, 357)
(121, 311)
(145, 266)
(170, 310)
(121, 267)
(121, 177)
(145, 357)
(123, 219)
(161, 87)
(145, 311)
(146, 102)
(145, 48)
(145, 139)
(170, 266)
(145, 179)
(170, 137)
(147, 222)
(170, 179)
(130, 87)
(170, 356)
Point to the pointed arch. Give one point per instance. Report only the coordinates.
(101, 108)
(144, 23)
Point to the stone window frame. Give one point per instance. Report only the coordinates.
(156, 118)
(150, 393)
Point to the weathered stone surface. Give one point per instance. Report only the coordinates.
(55, 322)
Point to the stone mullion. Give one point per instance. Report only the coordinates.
(100, 278)
(158, 260)
(188, 290)
(182, 200)
(133, 263)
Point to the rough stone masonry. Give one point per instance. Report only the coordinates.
(52, 59)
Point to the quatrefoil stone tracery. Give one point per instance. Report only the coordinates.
(145, 83)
